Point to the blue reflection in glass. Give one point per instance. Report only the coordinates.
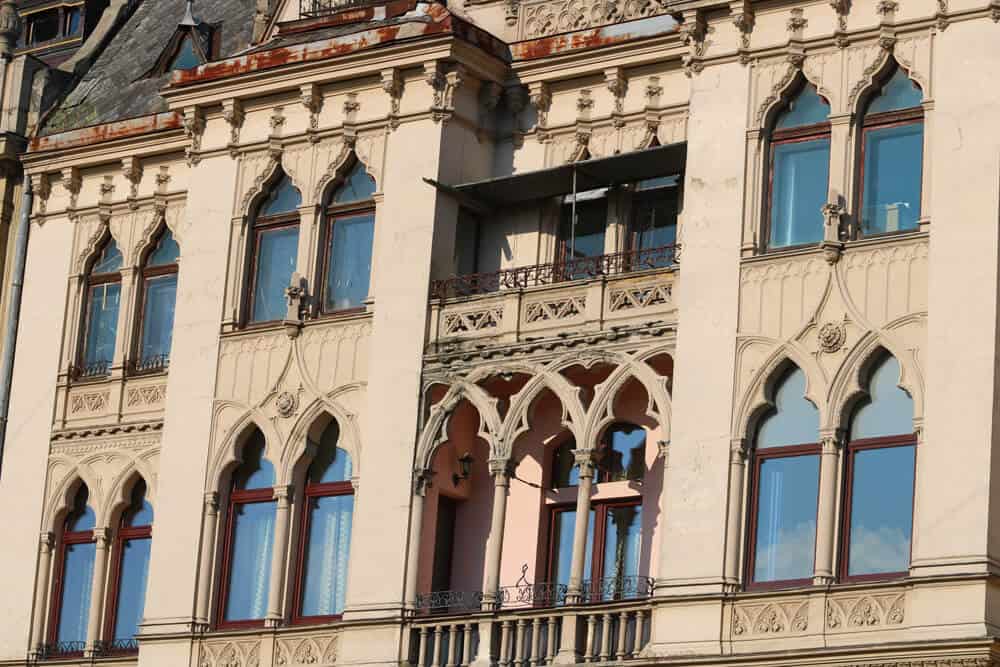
(881, 510)
(795, 420)
(166, 252)
(83, 518)
(102, 323)
(256, 472)
(110, 259)
(564, 472)
(140, 512)
(250, 566)
(898, 93)
(807, 108)
(893, 170)
(623, 453)
(349, 263)
(276, 256)
(357, 186)
(786, 518)
(562, 546)
(327, 554)
(186, 57)
(889, 409)
(332, 464)
(158, 317)
(622, 545)
(799, 191)
(132, 587)
(283, 198)
(78, 575)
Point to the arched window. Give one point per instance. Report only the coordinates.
(103, 297)
(621, 456)
(74, 578)
(349, 233)
(275, 251)
(325, 537)
(159, 295)
(799, 171)
(881, 457)
(249, 539)
(892, 156)
(785, 489)
(131, 569)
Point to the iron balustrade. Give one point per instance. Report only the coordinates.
(158, 362)
(314, 8)
(542, 594)
(116, 647)
(58, 650)
(94, 369)
(539, 595)
(611, 589)
(555, 272)
(442, 602)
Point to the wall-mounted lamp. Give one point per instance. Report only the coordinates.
(465, 466)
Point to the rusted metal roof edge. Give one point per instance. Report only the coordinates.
(95, 134)
(608, 35)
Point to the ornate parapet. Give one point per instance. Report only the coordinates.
(542, 18)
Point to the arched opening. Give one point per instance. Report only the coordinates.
(129, 574)
(99, 330)
(274, 250)
(155, 330)
(72, 588)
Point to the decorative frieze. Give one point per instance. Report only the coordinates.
(555, 309)
(862, 612)
(551, 17)
(641, 296)
(472, 320)
(778, 618)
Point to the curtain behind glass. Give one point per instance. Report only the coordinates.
(250, 565)
(158, 317)
(78, 575)
(276, 257)
(102, 323)
(799, 191)
(132, 587)
(327, 554)
(349, 263)
(786, 518)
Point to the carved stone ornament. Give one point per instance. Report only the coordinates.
(286, 404)
(832, 336)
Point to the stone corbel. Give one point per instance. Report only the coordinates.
(162, 180)
(489, 99)
(72, 181)
(132, 170)
(584, 460)
(941, 18)
(540, 97)
(312, 100)
(653, 92)
(663, 451)
(511, 11)
(194, 130)
(617, 83)
(584, 105)
(234, 115)
(392, 84)
(516, 100)
(443, 86)
(796, 25)
(693, 31)
(887, 10)
(277, 121)
(833, 216)
(41, 186)
(842, 8)
(295, 295)
(743, 19)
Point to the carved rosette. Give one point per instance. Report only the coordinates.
(286, 403)
(832, 336)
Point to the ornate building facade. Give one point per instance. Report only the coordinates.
(511, 332)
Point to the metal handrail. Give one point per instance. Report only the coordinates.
(56, 650)
(555, 272)
(94, 369)
(315, 8)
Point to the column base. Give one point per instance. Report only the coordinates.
(484, 652)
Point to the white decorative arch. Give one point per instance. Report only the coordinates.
(229, 455)
(435, 431)
(658, 407)
(119, 495)
(148, 236)
(62, 495)
(297, 451)
(875, 76)
(783, 90)
(93, 244)
(336, 169)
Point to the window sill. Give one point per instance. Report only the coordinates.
(815, 249)
(799, 587)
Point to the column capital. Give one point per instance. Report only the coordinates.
(663, 450)
(584, 459)
(831, 440)
(46, 540)
(499, 467)
(422, 478)
(211, 502)
(102, 536)
(283, 494)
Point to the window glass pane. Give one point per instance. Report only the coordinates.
(72, 20)
(140, 513)
(326, 555)
(622, 543)
(357, 186)
(158, 317)
(899, 93)
(78, 574)
(807, 108)
(893, 167)
(349, 264)
(332, 464)
(186, 57)
(102, 324)
(284, 198)
(565, 473)
(889, 410)
(110, 259)
(786, 518)
(795, 420)
(591, 220)
(250, 565)
(256, 472)
(466, 243)
(881, 510)
(166, 251)
(799, 191)
(132, 587)
(562, 546)
(82, 517)
(656, 225)
(44, 26)
(623, 453)
(276, 257)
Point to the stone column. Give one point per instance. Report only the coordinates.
(102, 538)
(734, 513)
(585, 463)
(494, 546)
(279, 557)
(826, 512)
(209, 527)
(45, 544)
(421, 482)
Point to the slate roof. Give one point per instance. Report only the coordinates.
(113, 88)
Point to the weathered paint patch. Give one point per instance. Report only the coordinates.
(84, 136)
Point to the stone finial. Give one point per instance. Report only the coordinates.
(10, 27)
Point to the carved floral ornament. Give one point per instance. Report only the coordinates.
(832, 336)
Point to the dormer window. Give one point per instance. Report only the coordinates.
(186, 57)
(193, 43)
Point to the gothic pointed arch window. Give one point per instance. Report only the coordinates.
(100, 321)
(129, 574)
(881, 465)
(275, 244)
(785, 489)
(157, 300)
(349, 233)
(74, 570)
(249, 543)
(799, 171)
(325, 535)
(892, 154)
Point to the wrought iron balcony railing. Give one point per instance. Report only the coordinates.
(95, 369)
(314, 8)
(115, 647)
(617, 588)
(546, 274)
(441, 602)
(151, 364)
(61, 650)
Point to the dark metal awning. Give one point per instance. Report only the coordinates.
(590, 174)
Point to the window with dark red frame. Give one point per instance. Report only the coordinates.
(159, 297)
(799, 171)
(784, 489)
(249, 544)
(274, 255)
(74, 570)
(892, 156)
(129, 574)
(325, 535)
(348, 237)
(878, 490)
(620, 456)
(100, 321)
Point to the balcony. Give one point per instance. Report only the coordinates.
(315, 8)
